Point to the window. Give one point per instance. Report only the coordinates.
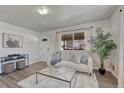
(73, 41)
(67, 42)
(79, 42)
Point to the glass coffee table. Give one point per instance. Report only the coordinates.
(60, 73)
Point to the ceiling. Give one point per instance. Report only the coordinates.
(58, 16)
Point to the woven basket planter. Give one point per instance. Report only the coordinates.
(9, 67)
(20, 64)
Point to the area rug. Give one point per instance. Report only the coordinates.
(83, 81)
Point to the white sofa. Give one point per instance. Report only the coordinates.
(85, 66)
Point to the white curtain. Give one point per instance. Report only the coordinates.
(58, 41)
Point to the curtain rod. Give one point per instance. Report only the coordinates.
(76, 29)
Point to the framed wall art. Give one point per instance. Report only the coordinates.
(12, 41)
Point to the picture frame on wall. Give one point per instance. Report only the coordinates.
(12, 41)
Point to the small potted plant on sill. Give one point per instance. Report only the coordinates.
(103, 47)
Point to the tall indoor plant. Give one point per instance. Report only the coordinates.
(103, 47)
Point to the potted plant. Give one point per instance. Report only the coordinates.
(103, 47)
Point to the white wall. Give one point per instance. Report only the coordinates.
(117, 25)
(115, 31)
(121, 51)
(105, 24)
(31, 42)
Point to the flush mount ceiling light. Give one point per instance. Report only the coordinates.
(43, 11)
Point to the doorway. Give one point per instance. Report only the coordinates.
(44, 49)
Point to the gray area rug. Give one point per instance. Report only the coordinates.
(83, 81)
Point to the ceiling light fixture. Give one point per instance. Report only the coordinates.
(43, 11)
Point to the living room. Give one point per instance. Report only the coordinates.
(36, 34)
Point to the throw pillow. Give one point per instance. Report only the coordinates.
(53, 62)
(76, 58)
(58, 54)
(54, 57)
(65, 56)
(71, 56)
(84, 59)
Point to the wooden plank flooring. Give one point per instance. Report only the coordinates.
(107, 80)
(10, 80)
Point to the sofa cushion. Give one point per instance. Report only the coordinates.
(79, 67)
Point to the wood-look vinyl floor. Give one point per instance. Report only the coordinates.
(10, 80)
(107, 80)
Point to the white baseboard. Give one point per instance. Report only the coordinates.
(114, 74)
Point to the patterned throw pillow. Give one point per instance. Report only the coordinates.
(65, 56)
(56, 57)
(76, 58)
(53, 62)
(71, 56)
(84, 58)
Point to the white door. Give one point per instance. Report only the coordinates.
(44, 49)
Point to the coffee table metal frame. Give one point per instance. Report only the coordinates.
(70, 82)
